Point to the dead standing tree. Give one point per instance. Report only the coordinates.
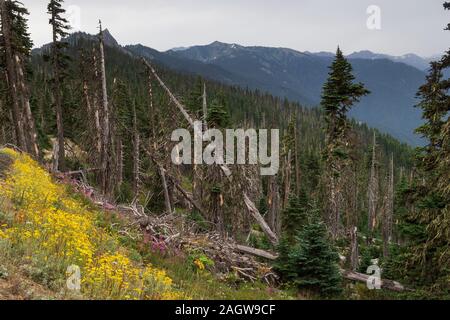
(105, 124)
(373, 191)
(274, 204)
(388, 212)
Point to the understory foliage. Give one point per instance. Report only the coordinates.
(49, 230)
(311, 263)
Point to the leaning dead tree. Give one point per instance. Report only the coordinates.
(259, 218)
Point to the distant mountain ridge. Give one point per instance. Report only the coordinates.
(409, 59)
(299, 76)
(414, 60)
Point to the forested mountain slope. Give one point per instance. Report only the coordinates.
(244, 105)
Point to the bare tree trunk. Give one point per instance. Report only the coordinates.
(119, 161)
(90, 113)
(136, 168)
(58, 100)
(151, 108)
(334, 207)
(29, 124)
(162, 172)
(175, 101)
(96, 108)
(205, 109)
(11, 76)
(274, 216)
(373, 192)
(13, 132)
(354, 250)
(55, 156)
(297, 163)
(287, 180)
(259, 218)
(105, 114)
(389, 210)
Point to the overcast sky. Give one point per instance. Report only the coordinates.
(306, 25)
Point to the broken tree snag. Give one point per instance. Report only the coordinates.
(257, 252)
(259, 218)
(162, 172)
(354, 250)
(373, 191)
(287, 179)
(105, 114)
(385, 284)
(205, 109)
(274, 205)
(181, 107)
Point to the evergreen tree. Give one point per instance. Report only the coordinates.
(59, 64)
(194, 101)
(314, 261)
(340, 93)
(295, 215)
(433, 194)
(217, 114)
(404, 262)
(283, 265)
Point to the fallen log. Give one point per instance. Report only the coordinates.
(349, 275)
(385, 283)
(256, 252)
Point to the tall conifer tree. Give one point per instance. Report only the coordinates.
(340, 93)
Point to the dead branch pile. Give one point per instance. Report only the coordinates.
(178, 233)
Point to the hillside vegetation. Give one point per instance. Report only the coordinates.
(45, 227)
(89, 181)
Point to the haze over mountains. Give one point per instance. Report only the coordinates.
(300, 76)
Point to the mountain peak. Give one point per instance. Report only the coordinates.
(109, 40)
(219, 44)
